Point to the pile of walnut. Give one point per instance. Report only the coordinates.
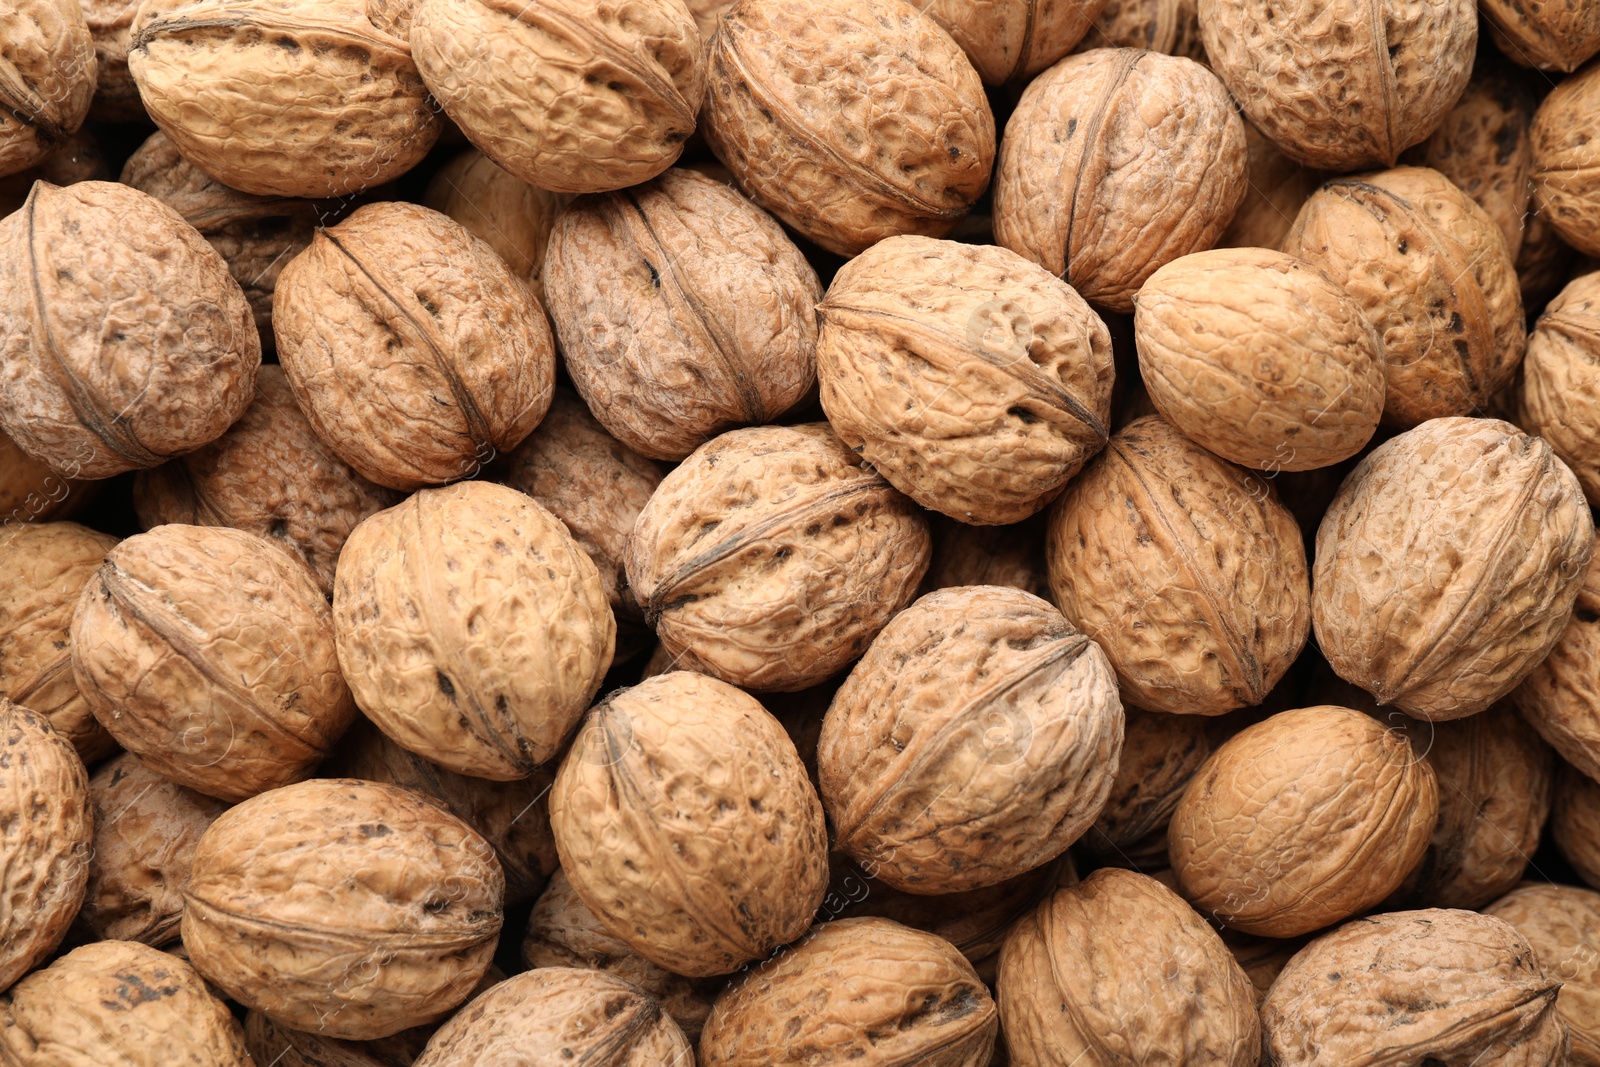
(627, 533)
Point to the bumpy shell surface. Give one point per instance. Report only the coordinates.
(123, 339)
(1562, 923)
(1566, 158)
(1302, 820)
(49, 68)
(1115, 162)
(864, 992)
(1118, 969)
(508, 213)
(977, 739)
(209, 654)
(851, 123)
(302, 98)
(1260, 357)
(47, 828)
(975, 381)
(1550, 36)
(1016, 39)
(412, 348)
(1160, 754)
(278, 1046)
(1575, 822)
(683, 310)
(1197, 590)
(344, 908)
(472, 628)
(1448, 565)
(1278, 186)
(575, 96)
(1545, 263)
(116, 96)
(1560, 395)
(1413, 987)
(985, 555)
(1561, 696)
(772, 556)
(685, 821)
(1168, 26)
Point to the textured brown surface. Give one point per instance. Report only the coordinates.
(1545, 262)
(1561, 696)
(987, 555)
(1560, 395)
(77, 159)
(511, 215)
(1115, 162)
(1263, 958)
(276, 1046)
(1555, 35)
(1160, 754)
(116, 97)
(1566, 159)
(1169, 26)
(1575, 822)
(31, 492)
(1013, 40)
(1562, 923)
(1277, 187)
(47, 76)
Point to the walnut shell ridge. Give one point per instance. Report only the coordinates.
(1559, 399)
(49, 71)
(1560, 697)
(1014, 41)
(1562, 923)
(1556, 37)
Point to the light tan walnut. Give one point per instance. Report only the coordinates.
(48, 56)
(1566, 158)
(1560, 395)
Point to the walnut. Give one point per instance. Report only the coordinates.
(771, 557)
(48, 56)
(1575, 822)
(1263, 958)
(1545, 262)
(420, 590)
(77, 159)
(851, 123)
(513, 217)
(1448, 565)
(1278, 186)
(986, 555)
(31, 492)
(1154, 168)
(973, 380)
(1012, 42)
(116, 97)
(1555, 37)
(1566, 149)
(683, 310)
(209, 654)
(1168, 26)
(1562, 923)
(1197, 590)
(1118, 969)
(1160, 754)
(1560, 395)
(123, 340)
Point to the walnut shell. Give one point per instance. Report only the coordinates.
(276, 917)
(513, 217)
(1562, 923)
(683, 310)
(1278, 186)
(1415, 987)
(1561, 696)
(1575, 822)
(1565, 145)
(48, 56)
(77, 159)
(1160, 754)
(1263, 958)
(1545, 263)
(116, 96)
(851, 123)
(986, 555)
(712, 849)
(279, 1047)
(419, 590)
(1448, 565)
(47, 828)
(31, 492)
(1197, 591)
(1168, 26)
(1118, 969)
(123, 339)
(864, 992)
(772, 556)
(1157, 174)
(975, 381)
(1014, 41)
(1560, 395)
(1559, 36)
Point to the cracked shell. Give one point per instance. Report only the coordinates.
(1160, 754)
(47, 78)
(1566, 157)
(1560, 395)
(511, 215)
(1171, 27)
(1561, 696)
(1575, 822)
(1562, 923)
(1448, 565)
(1013, 41)
(1549, 36)
(116, 96)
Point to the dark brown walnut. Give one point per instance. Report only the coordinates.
(49, 65)
(851, 123)
(1562, 923)
(343, 908)
(1575, 822)
(1160, 754)
(1561, 696)
(977, 739)
(116, 97)
(1545, 263)
(77, 159)
(209, 654)
(1448, 565)
(865, 992)
(31, 492)
(1153, 169)
(683, 310)
(1278, 186)
(1415, 987)
(269, 475)
(1118, 969)
(1549, 36)
(1013, 41)
(123, 339)
(975, 381)
(575, 96)
(47, 828)
(1347, 86)
(301, 98)
(1566, 156)
(1168, 26)
(1260, 357)
(687, 825)
(1302, 820)
(1197, 590)
(772, 556)
(472, 628)
(1560, 395)
(47, 566)
(985, 555)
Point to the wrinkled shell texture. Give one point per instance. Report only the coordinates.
(1118, 969)
(1302, 820)
(512, 216)
(344, 908)
(1116, 162)
(78, 159)
(1186, 570)
(685, 821)
(1436, 986)
(303, 98)
(1278, 186)
(1015, 39)
(1346, 84)
(47, 76)
(683, 310)
(975, 381)
(1448, 565)
(412, 348)
(1575, 823)
(1550, 35)
(1545, 262)
(1261, 358)
(1566, 158)
(116, 97)
(864, 992)
(209, 653)
(1160, 754)
(984, 555)
(278, 1046)
(1430, 270)
(976, 740)
(47, 828)
(123, 339)
(122, 1003)
(1168, 26)
(575, 96)
(1560, 395)
(772, 556)
(472, 628)
(1561, 696)
(851, 123)
(1562, 923)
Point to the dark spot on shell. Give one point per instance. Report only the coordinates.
(446, 686)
